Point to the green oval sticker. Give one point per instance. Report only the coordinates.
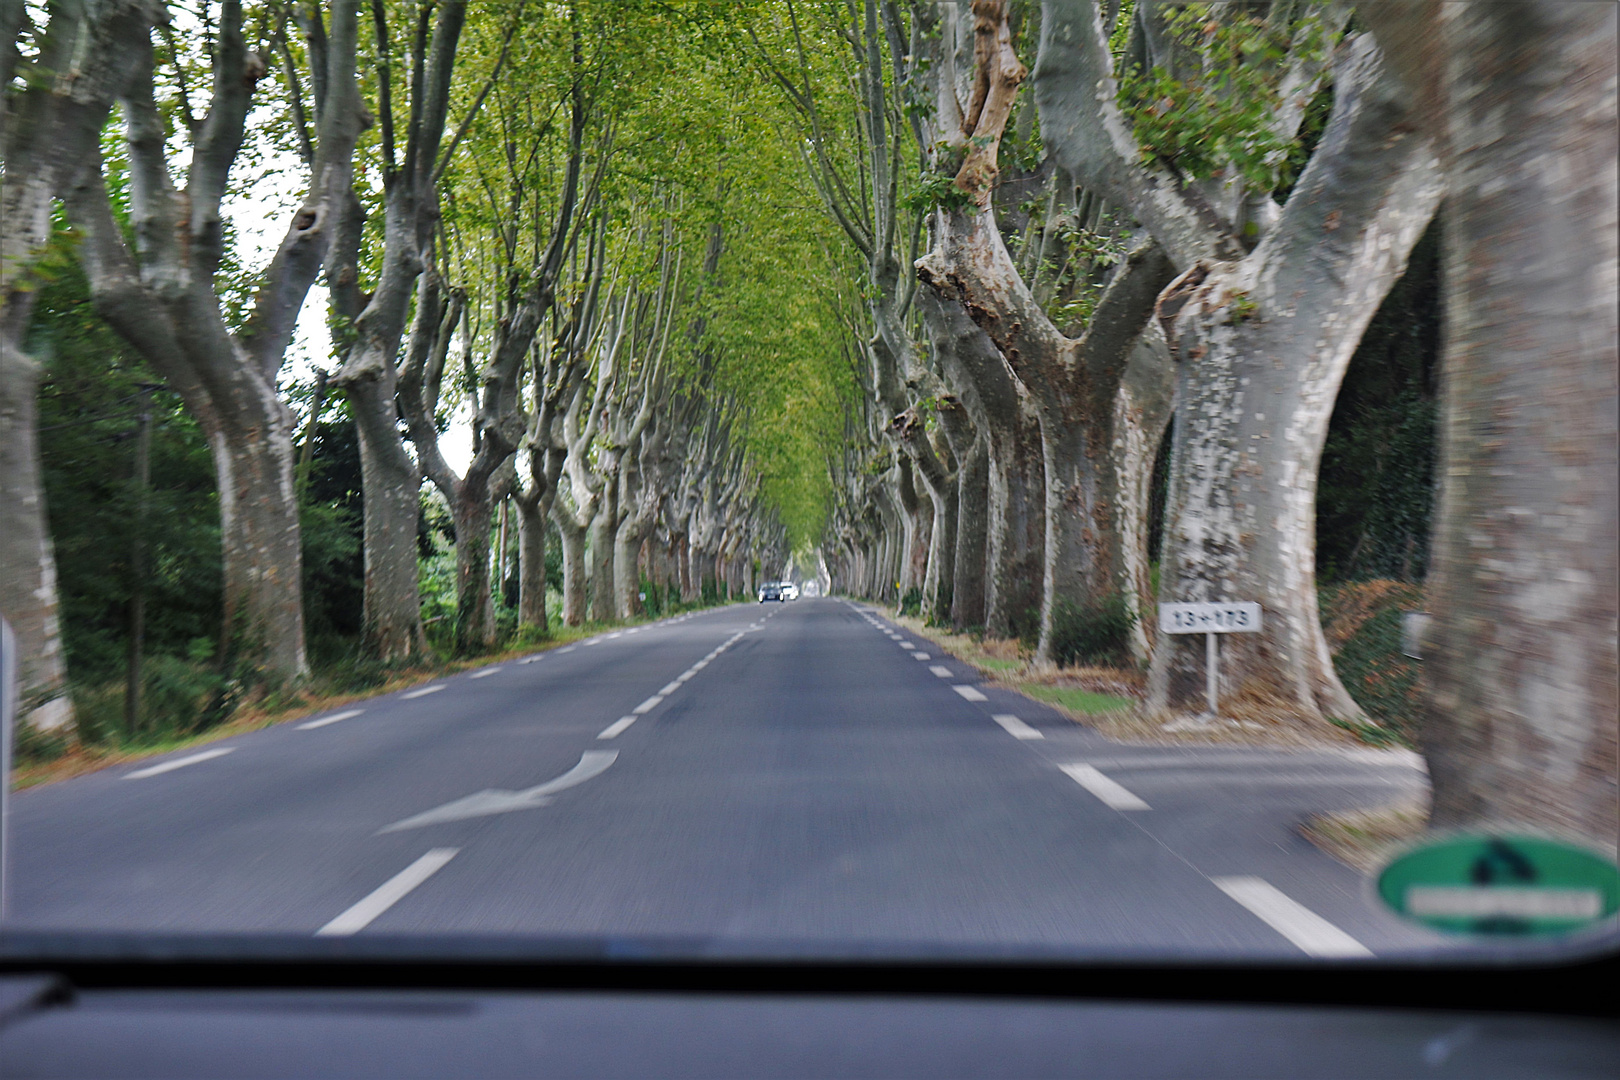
(1501, 884)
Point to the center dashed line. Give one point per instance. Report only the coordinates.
(388, 894)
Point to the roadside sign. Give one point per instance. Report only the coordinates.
(1204, 618)
(1241, 617)
(1501, 885)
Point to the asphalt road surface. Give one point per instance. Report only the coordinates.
(798, 774)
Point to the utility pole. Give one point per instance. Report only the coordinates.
(137, 565)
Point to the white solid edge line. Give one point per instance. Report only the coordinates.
(649, 705)
(1314, 935)
(486, 673)
(334, 718)
(388, 894)
(970, 692)
(1112, 794)
(617, 726)
(670, 688)
(424, 692)
(179, 763)
(941, 670)
(1017, 728)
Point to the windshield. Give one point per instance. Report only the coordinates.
(1187, 430)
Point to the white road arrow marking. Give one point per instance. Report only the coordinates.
(494, 801)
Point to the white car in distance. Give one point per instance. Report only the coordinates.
(790, 591)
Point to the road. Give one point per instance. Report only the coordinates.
(790, 777)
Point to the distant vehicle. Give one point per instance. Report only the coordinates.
(790, 591)
(770, 591)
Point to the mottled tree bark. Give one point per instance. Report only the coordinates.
(1520, 669)
(48, 135)
(390, 480)
(1262, 344)
(159, 295)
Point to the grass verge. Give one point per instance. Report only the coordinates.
(1364, 839)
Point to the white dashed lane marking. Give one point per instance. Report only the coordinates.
(971, 693)
(1110, 793)
(920, 656)
(1017, 728)
(388, 894)
(941, 670)
(486, 673)
(179, 763)
(334, 718)
(423, 692)
(1299, 924)
(616, 727)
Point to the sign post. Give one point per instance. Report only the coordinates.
(1210, 619)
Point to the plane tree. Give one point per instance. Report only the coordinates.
(156, 284)
(59, 80)
(1269, 299)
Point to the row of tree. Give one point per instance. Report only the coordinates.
(509, 224)
(1184, 218)
(715, 282)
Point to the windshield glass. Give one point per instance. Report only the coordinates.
(1188, 432)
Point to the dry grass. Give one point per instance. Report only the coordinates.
(1247, 718)
(1346, 607)
(1365, 839)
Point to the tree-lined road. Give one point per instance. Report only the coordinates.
(802, 774)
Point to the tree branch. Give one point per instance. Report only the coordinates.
(1087, 132)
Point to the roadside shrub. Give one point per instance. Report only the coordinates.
(911, 603)
(1381, 679)
(182, 697)
(1093, 633)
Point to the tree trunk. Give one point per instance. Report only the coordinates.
(250, 437)
(475, 629)
(972, 535)
(1520, 671)
(572, 535)
(604, 526)
(28, 583)
(1261, 346)
(1142, 410)
(391, 486)
(532, 514)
